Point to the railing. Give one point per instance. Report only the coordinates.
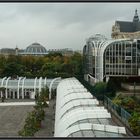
(121, 113)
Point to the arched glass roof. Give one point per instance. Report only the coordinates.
(78, 113)
(35, 48)
(77, 104)
(93, 130)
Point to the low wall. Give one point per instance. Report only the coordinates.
(89, 79)
(130, 86)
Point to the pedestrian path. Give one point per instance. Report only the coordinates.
(16, 103)
(12, 119)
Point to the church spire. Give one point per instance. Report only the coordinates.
(136, 17)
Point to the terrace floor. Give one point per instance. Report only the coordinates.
(12, 119)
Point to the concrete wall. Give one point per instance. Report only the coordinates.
(91, 80)
(130, 86)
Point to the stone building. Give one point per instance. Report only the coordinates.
(7, 51)
(34, 49)
(127, 29)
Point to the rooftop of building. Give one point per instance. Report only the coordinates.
(35, 48)
(129, 26)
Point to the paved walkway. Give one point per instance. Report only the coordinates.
(17, 103)
(12, 119)
(47, 128)
(17, 100)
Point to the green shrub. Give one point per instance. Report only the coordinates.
(34, 118)
(134, 123)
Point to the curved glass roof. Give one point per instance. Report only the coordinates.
(78, 113)
(77, 104)
(35, 48)
(22, 82)
(93, 130)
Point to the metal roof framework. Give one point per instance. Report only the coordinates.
(78, 113)
(97, 48)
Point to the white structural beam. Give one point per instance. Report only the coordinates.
(40, 83)
(51, 84)
(2, 84)
(45, 81)
(18, 87)
(21, 86)
(14, 94)
(22, 93)
(3, 81)
(35, 85)
(6, 94)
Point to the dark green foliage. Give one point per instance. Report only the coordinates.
(54, 54)
(111, 87)
(51, 66)
(88, 86)
(98, 90)
(130, 104)
(31, 125)
(127, 102)
(34, 118)
(41, 98)
(134, 123)
(12, 69)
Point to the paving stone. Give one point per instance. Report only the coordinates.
(12, 119)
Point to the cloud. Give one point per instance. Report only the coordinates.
(59, 25)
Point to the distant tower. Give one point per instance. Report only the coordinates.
(136, 17)
(135, 21)
(16, 49)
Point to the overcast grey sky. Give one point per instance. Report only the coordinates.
(59, 25)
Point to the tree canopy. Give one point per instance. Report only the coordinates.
(51, 65)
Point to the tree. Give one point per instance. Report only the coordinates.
(76, 61)
(12, 69)
(42, 98)
(34, 118)
(2, 64)
(51, 65)
(31, 125)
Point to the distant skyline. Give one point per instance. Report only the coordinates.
(59, 25)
